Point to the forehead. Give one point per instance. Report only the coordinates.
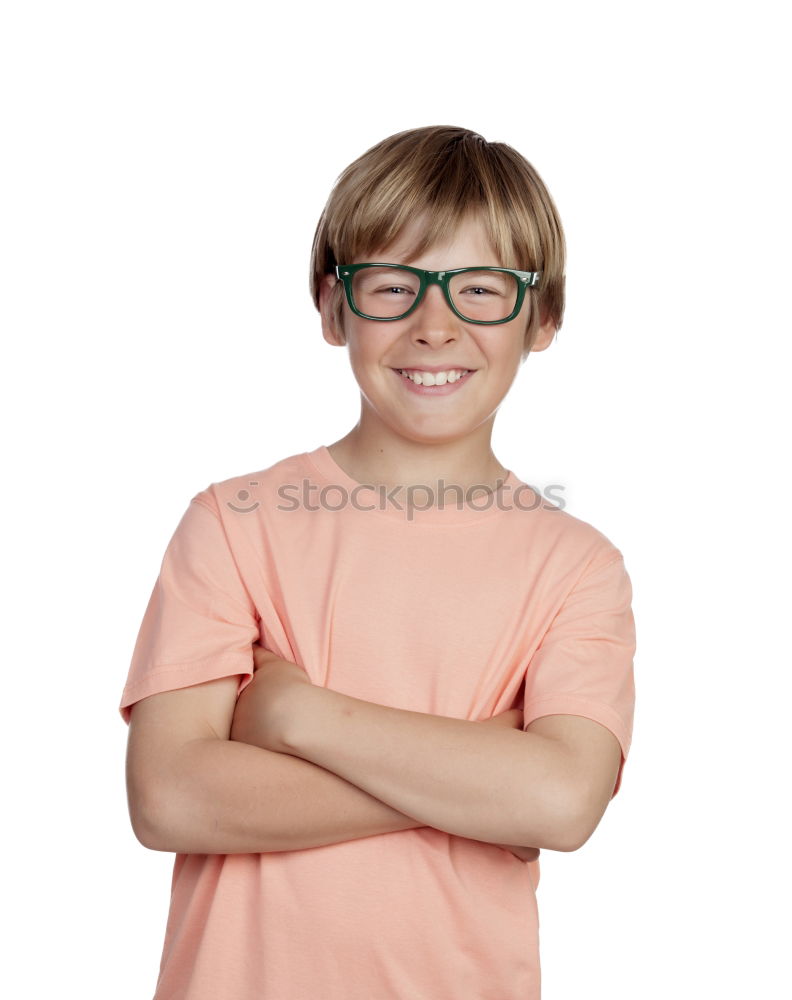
(468, 244)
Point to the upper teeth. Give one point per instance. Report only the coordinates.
(434, 378)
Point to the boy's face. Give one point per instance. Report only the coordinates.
(433, 336)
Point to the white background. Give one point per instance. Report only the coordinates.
(164, 167)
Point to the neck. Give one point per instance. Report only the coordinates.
(392, 461)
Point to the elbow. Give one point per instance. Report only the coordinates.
(571, 838)
(143, 830)
(577, 822)
(565, 836)
(147, 836)
(565, 823)
(143, 827)
(147, 823)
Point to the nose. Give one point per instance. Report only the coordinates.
(434, 321)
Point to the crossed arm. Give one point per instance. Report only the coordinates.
(547, 787)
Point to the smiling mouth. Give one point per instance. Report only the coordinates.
(448, 377)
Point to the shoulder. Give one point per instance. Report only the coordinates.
(551, 529)
(251, 491)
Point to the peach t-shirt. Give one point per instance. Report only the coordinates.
(449, 611)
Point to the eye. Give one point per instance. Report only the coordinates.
(384, 282)
(483, 284)
(480, 292)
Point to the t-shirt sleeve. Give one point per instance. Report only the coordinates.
(200, 623)
(584, 663)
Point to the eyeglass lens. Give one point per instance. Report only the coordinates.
(387, 292)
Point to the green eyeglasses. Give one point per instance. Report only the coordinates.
(486, 295)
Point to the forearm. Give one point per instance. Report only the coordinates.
(249, 726)
(227, 797)
(482, 782)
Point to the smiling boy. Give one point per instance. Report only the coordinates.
(355, 723)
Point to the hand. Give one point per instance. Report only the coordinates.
(513, 718)
(267, 704)
(286, 672)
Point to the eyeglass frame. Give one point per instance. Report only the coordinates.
(525, 280)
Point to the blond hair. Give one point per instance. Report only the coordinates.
(446, 174)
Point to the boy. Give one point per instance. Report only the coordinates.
(374, 679)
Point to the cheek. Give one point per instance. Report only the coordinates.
(503, 346)
(367, 363)
(360, 358)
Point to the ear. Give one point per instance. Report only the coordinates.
(331, 331)
(544, 335)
